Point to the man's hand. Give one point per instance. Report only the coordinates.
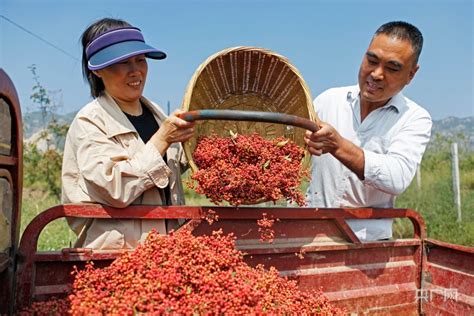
(328, 140)
(325, 140)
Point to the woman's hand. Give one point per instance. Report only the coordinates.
(172, 130)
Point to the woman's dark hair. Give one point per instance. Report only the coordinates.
(404, 31)
(95, 29)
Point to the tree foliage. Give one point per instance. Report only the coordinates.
(42, 166)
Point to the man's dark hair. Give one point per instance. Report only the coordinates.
(95, 29)
(404, 31)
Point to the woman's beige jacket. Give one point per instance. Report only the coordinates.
(105, 161)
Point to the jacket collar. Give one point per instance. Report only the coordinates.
(116, 121)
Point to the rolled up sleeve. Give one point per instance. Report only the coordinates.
(393, 170)
(111, 176)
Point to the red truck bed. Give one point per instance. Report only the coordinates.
(314, 246)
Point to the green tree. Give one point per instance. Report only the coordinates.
(43, 165)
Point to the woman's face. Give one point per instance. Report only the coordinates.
(125, 80)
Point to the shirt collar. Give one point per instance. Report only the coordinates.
(397, 101)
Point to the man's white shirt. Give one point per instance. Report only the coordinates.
(393, 138)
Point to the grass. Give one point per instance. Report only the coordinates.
(56, 235)
(434, 201)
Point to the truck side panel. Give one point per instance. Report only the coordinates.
(448, 279)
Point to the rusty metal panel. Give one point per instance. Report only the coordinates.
(6, 262)
(6, 208)
(5, 128)
(11, 148)
(448, 279)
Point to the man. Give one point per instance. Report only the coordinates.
(371, 137)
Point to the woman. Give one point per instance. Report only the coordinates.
(121, 149)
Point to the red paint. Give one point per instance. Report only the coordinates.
(310, 245)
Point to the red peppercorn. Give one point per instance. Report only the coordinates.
(247, 169)
(184, 274)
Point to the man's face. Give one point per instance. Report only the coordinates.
(387, 67)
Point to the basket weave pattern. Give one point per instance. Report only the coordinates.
(247, 78)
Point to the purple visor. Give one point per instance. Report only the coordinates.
(117, 45)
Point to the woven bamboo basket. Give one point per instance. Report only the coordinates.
(249, 79)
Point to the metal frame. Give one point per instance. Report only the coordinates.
(11, 167)
(41, 267)
(448, 279)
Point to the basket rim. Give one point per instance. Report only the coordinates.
(193, 81)
(197, 73)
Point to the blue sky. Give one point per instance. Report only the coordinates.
(325, 40)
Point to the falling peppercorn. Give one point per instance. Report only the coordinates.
(247, 169)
